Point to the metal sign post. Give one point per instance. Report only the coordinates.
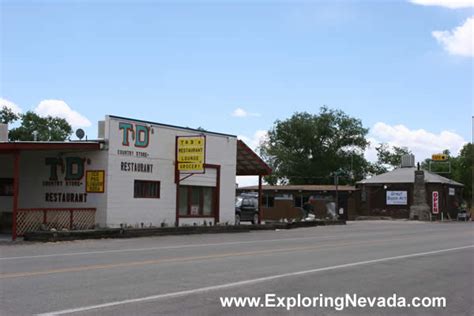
(190, 159)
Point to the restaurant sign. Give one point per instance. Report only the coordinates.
(191, 153)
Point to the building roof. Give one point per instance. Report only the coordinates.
(172, 126)
(40, 145)
(305, 187)
(407, 175)
(249, 163)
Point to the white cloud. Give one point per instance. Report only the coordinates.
(60, 109)
(421, 142)
(239, 112)
(255, 140)
(452, 4)
(459, 41)
(12, 106)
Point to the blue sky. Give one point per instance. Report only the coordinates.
(194, 63)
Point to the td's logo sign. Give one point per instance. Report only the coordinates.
(72, 167)
(138, 134)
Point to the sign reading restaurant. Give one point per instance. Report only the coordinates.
(191, 153)
(136, 137)
(65, 172)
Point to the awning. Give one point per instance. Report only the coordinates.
(18, 146)
(249, 163)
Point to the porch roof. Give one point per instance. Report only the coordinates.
(44, 146)
(249, 163)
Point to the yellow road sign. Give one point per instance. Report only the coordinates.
(439, 157)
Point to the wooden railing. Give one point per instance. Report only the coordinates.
(33, 219)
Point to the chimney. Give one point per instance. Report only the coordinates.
(101, 129)
(3, 132)
(408, 161)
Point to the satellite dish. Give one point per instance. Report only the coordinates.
(80, 133)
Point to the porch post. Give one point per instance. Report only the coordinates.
(260, 199)
(16, 189)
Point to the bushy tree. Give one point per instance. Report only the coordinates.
(47, 128)
(7, 116)
(458, 168)
(389, 157)
(463, 170)
(309, 148)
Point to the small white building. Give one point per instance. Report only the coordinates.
(137, 173)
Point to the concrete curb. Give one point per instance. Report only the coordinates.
(49, 236)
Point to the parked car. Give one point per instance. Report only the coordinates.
(246, 208)
(463, 215)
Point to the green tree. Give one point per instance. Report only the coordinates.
(309, 148)
(463, 171)
(392, 157)
(458, 168)
(442, 167)
(7, 116)
(47, 128)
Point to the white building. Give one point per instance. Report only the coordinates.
(129, 176)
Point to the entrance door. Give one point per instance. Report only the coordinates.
(6, 205)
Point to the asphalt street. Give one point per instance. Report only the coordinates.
(188, 275)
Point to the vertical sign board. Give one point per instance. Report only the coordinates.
(95, 181)
(435, 202)
(191, 154)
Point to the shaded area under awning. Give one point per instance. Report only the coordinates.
(46, 146)
(249, 163)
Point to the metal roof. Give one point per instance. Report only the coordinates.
(304, 187)
(407, 175)
(54, 145)
(200, 131)
(249, 163)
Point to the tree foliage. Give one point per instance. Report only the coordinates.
(463, 170)
(391, 157)
(309, 148)
(7, 116)
(47, 128)
(458, 168)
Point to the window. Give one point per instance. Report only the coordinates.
(183, 200)
(300, 201)
(196, 201)
(268, 201)
(6, 187)
(207, 201)
(247, 202)
(146, 189)
(297, 201)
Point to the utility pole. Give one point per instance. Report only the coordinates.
(336, 182)
(336, 175)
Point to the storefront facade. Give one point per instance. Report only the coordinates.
(137, 173)
(393, 193)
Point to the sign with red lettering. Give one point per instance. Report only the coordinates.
(435, 203)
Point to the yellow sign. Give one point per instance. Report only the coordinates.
(95, 181)
(439, 157)
(191, 153)
(184, 166)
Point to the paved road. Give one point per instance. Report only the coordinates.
(187, 275)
